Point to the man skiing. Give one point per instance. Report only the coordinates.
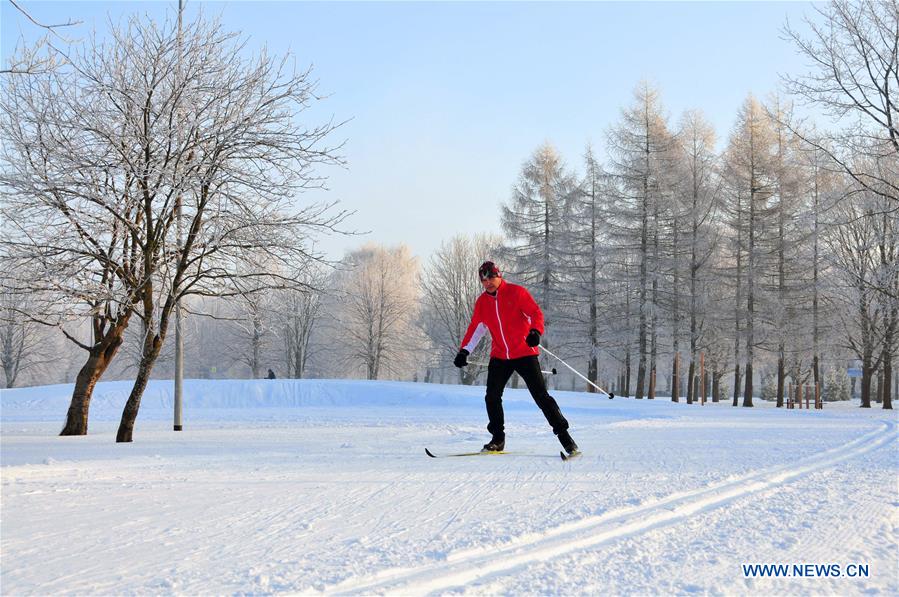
(515, 323)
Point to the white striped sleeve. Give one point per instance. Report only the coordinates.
(476, 338)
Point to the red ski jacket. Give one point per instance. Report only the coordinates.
(508, 316)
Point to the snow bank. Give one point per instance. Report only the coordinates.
(277, 393)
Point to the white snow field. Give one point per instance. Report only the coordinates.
(323, 487)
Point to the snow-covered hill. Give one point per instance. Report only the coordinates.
(322, 487)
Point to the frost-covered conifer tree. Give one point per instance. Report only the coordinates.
(590, 270)
(641, 160)
(787, 282)
(699, 197)
(534, 224)
(751, 182)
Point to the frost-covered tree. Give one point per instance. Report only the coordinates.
(374, 313)
(700, 193)
(854, 248)
(588, 255)
(451, 286)
(836, 385)
(641, 162)
(786, 282)
(300, 314)
(533, 221)
(67, 218)
(253, 330)
(853, 51)
(822, 190)
(750, 180)
(24, 344)
(156, 131)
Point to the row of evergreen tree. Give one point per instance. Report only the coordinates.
(669, 250)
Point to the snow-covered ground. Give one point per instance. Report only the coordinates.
(323, 487)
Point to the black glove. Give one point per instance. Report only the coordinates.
(533, 338)
(461, 359)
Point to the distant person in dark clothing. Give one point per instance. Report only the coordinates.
(271, 374)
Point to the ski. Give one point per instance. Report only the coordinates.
(480, 453)
(564, 456)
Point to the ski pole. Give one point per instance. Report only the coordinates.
(483, 364)
(573, 370)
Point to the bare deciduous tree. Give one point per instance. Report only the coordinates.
(854, 247)
(854, 50)
(451, 287)
(34, 59)
(24, 345)
(299, 316)
(701, 189)
(68, 209)
(151, 130)
(375, 310)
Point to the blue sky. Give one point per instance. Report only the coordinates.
(447, 100)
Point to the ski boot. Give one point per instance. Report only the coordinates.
(496, 444)
(567, 443)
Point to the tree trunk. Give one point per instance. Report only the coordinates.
(867, 372)
(641, 367)
(299, 366)
(88, 376)
(644, 275)
(98, 360)
(627, 374)
(750, 303)
(152, 347)
(691, 372)
(675, 378)
(816, 371)
(887, 381)
(592, 364)
(257, 342)
(886, 360)
(747, 394)
(781, 374)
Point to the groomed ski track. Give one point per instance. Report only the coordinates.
(465, 567)
(321, 487)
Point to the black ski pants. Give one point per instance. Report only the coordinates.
(498, 373)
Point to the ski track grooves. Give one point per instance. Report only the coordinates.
(467, 566)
